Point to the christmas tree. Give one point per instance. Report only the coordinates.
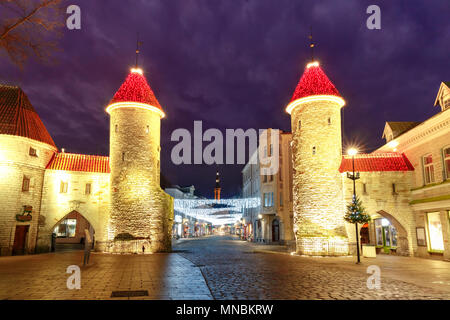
(356, 212)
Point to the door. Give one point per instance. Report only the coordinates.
(20, 238)
(275, 231)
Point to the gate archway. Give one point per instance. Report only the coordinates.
(402, 234)
(68, 234)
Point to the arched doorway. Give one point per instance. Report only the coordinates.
(69, 233)
(390, 236)
(275, 230)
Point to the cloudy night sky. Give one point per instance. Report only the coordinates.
(235, 64)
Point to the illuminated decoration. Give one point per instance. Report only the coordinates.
(302, 101)
(393, 145)
(375, 162)
(137, 70)
(217, 212)
(312, 64)
(135, 89)
(118, 105)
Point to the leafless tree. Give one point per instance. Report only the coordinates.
(30, 28)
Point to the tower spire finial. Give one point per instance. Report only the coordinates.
(138, 44)
(311, 43)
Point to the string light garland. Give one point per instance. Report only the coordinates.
(314, 82)
(136, 89)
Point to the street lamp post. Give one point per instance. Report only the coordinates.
(354, 177)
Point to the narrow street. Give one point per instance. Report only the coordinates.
(221, 267)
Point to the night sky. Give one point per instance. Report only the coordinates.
(235, 64)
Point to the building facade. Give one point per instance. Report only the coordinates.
(51, 196)
(272, 221)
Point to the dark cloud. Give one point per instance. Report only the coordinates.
(235, 64)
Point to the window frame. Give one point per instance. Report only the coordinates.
(444, 162)
(26, 182)
(430, 167)
(63, 186)
(32, 152)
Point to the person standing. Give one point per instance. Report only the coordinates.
(87, 247)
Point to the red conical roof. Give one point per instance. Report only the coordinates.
(314, 82)
(18, 117)
(136, 89)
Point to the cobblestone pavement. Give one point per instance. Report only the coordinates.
(233, 269)
(164, 276)
(236, 269)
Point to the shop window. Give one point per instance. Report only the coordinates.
(428, 169)
(435, 237)
(66, 229)
(63, 187)
(26, 183)
(447, 162)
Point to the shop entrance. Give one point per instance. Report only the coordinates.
(20, 240)
(275, 230)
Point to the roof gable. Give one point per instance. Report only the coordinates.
(18, 117)
(397, 128)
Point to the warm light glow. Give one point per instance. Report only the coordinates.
(385, 222)
(259, 216)
(301, 101)
(312, 64)
(352, 152)
(118, 105)
(393, 145)
(137, 70)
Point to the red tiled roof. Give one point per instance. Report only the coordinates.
(79, 162)
(18, 117)
(136, 89)
(376, 162)
(314, 82)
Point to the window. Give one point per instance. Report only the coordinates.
(270, 177)
(364, 188)
(87, 190)
(63, 187)
(281, 199)
(264, 178)
(26, 184)
(435, 237)
(428, 169)
(394, 191)
(147, 130)
(447, 162)
(299, 124)
(271, 149)
(123, 156)
(314, 150)
(268, 199)
(33, 152)
(329, 121)
(116, 128)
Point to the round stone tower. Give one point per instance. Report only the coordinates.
(140, 212)
(317, 153)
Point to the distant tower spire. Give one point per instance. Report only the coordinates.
(217, 188)
(138, 44)
(311, 44)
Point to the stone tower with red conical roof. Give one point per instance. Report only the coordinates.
(141, 213)
(317, 152)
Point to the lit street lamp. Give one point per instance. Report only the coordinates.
(352, 152)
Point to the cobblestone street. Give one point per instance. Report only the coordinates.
(233, 269)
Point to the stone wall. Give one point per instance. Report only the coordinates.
(15, 163)
(317, 184)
